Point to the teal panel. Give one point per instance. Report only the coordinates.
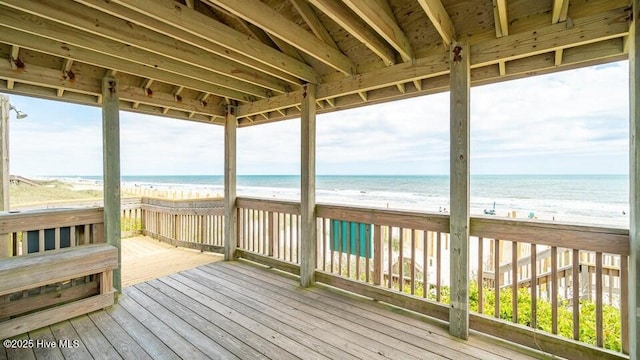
(351, 237)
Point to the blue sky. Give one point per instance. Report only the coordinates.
(573, 122)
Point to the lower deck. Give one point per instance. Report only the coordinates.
(240, 310)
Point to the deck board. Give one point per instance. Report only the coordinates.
(240, 310)
(144, 258)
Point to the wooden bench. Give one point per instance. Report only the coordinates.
(25, 273)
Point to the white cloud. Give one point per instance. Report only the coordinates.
(574, 121)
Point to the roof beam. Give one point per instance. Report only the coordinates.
(501, 18)
(316, 26)
(588, 30)
(560, 11)
(237, 45)
(45, 77)
(53, 47)
(260, 14)
(14, 60)
(66, 68)
(355, 26)
(440, 19)
(383, 22)
(176, 57)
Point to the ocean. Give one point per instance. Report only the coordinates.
(590, 199)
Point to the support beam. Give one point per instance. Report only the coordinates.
(339, 13)
(634, 181)
(384, 23)
(440, 20)
(230, 209)
(111, 169)
(316, 26)
(500, 18)
(460, 79)
(15, 51)
(560, 10)
(5, 245)
(265, 17)
(58, 48)
(308, 186)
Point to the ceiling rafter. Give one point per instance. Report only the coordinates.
(146, 85)
(587, 30)
(560, 11)
(355, 26)
(501, 18)
(66, 73)
(42, 76)
(384, 23)
(316, 26)
(150, 48)
(236, 44)
(258, 13)
(440, 19)
(13, 61)
(54, 47)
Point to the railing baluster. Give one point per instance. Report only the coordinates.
(72, 236)
(332, 233)
(401, 260)
(348, 251)
(41, 239)
(534, 286)
(514, 281)
(439, 265)
(413, 261)
(554, 290)
(357, 234)
(377, 255)
(575, 271)
(291, 237)
(624, 305)
(367, 251)
(56, 237)
(425, 263)
(599, 337)
(496, 278)
(480, 275)
(340, 248)
(390, 261)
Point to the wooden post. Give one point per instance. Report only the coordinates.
(111, 169)
(308, 186)
(230, 209)
(5, 245)
(459, 190)
(634, 181)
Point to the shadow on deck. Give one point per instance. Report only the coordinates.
(240, 310)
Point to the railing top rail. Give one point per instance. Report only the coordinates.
(583, 237)
(188, 203)
(610, 240)
(48, 218)
(282, 206)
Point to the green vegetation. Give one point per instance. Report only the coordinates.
(24, 194)
(611, 315)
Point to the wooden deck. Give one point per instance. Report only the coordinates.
(239, 310)
(144, 258)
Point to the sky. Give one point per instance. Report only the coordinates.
(572, 122)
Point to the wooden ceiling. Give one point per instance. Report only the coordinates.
(187, 59)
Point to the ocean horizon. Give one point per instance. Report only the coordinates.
(590, 199)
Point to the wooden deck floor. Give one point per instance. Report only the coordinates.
(239, 310)
(144, 258)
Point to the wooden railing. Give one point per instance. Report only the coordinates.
(196, 224)
(35, 240)
(35, 231)
(402, 257)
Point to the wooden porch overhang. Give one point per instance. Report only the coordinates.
(187, 59)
